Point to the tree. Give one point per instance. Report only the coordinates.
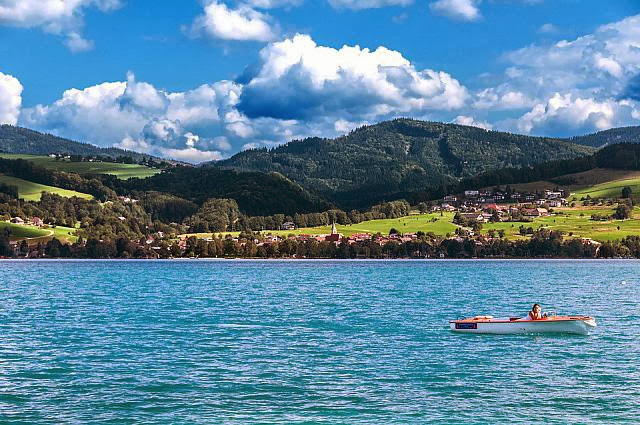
(623, 212)
(5, 246)
(626, 192)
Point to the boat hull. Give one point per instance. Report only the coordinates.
(581, 325)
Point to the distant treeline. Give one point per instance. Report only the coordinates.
(24, 141)
(619, 156)
(543, 244)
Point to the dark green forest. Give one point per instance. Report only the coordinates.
(382, 161)
(609, 137)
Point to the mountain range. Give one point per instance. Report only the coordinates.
(379, 162)
(371, 164)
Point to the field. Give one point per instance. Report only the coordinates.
(598, 183)
(434, 222)
(611, 189)
(574, 222)
(439, 225)
(578, 223)
(30, 191)
(19, 232)
(122, 171)
(35, 234)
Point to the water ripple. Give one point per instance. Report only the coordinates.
(326, 342)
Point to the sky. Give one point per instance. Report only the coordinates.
(200, 80)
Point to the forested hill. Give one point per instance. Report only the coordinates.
(375, 162)
(24, 141)
(256, 193)
(609, 137)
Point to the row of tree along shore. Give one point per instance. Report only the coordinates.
(542, 244)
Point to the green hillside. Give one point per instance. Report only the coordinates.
(255, 193)
(379, 161)
(30, 191)
(35, 234)
(582, 183)
(608, 137)
(19, 232)
(435, 223)
(24, 141)
(612, 188)
(123, 171)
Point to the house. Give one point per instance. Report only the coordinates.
(542, 212)
(359, 237)
(289, 225)
(552, 195)
(471, 193)
(486, 217)
(37, 221)
(450, 198)
(536, 212)
(17, 220)
(473, 216)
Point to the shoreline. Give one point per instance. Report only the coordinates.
(291, 260)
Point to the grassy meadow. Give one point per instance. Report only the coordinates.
(433, 222)
(19, 232)
(36, 234)
(30, 191)
(610, 189)
(577, 222)
(122, 171)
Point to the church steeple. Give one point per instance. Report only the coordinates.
(334, 229)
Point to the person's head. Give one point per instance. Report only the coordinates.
(536, 308)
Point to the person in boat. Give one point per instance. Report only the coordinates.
(535, 313)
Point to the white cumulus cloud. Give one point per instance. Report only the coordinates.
(463, 10)
(10, 99)
(298, 79)
(241, 24)
(470, 121)
(571, 86)
(565, 114)
(604, 60)
(61, 17)
(136, 115)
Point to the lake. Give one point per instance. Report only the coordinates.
(313, 342)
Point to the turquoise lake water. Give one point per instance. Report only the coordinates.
(317, 342)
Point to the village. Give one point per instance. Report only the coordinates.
(473, 208)
(465, 212)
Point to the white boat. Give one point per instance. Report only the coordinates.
(515, 325)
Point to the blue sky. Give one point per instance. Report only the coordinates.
(200, 80)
